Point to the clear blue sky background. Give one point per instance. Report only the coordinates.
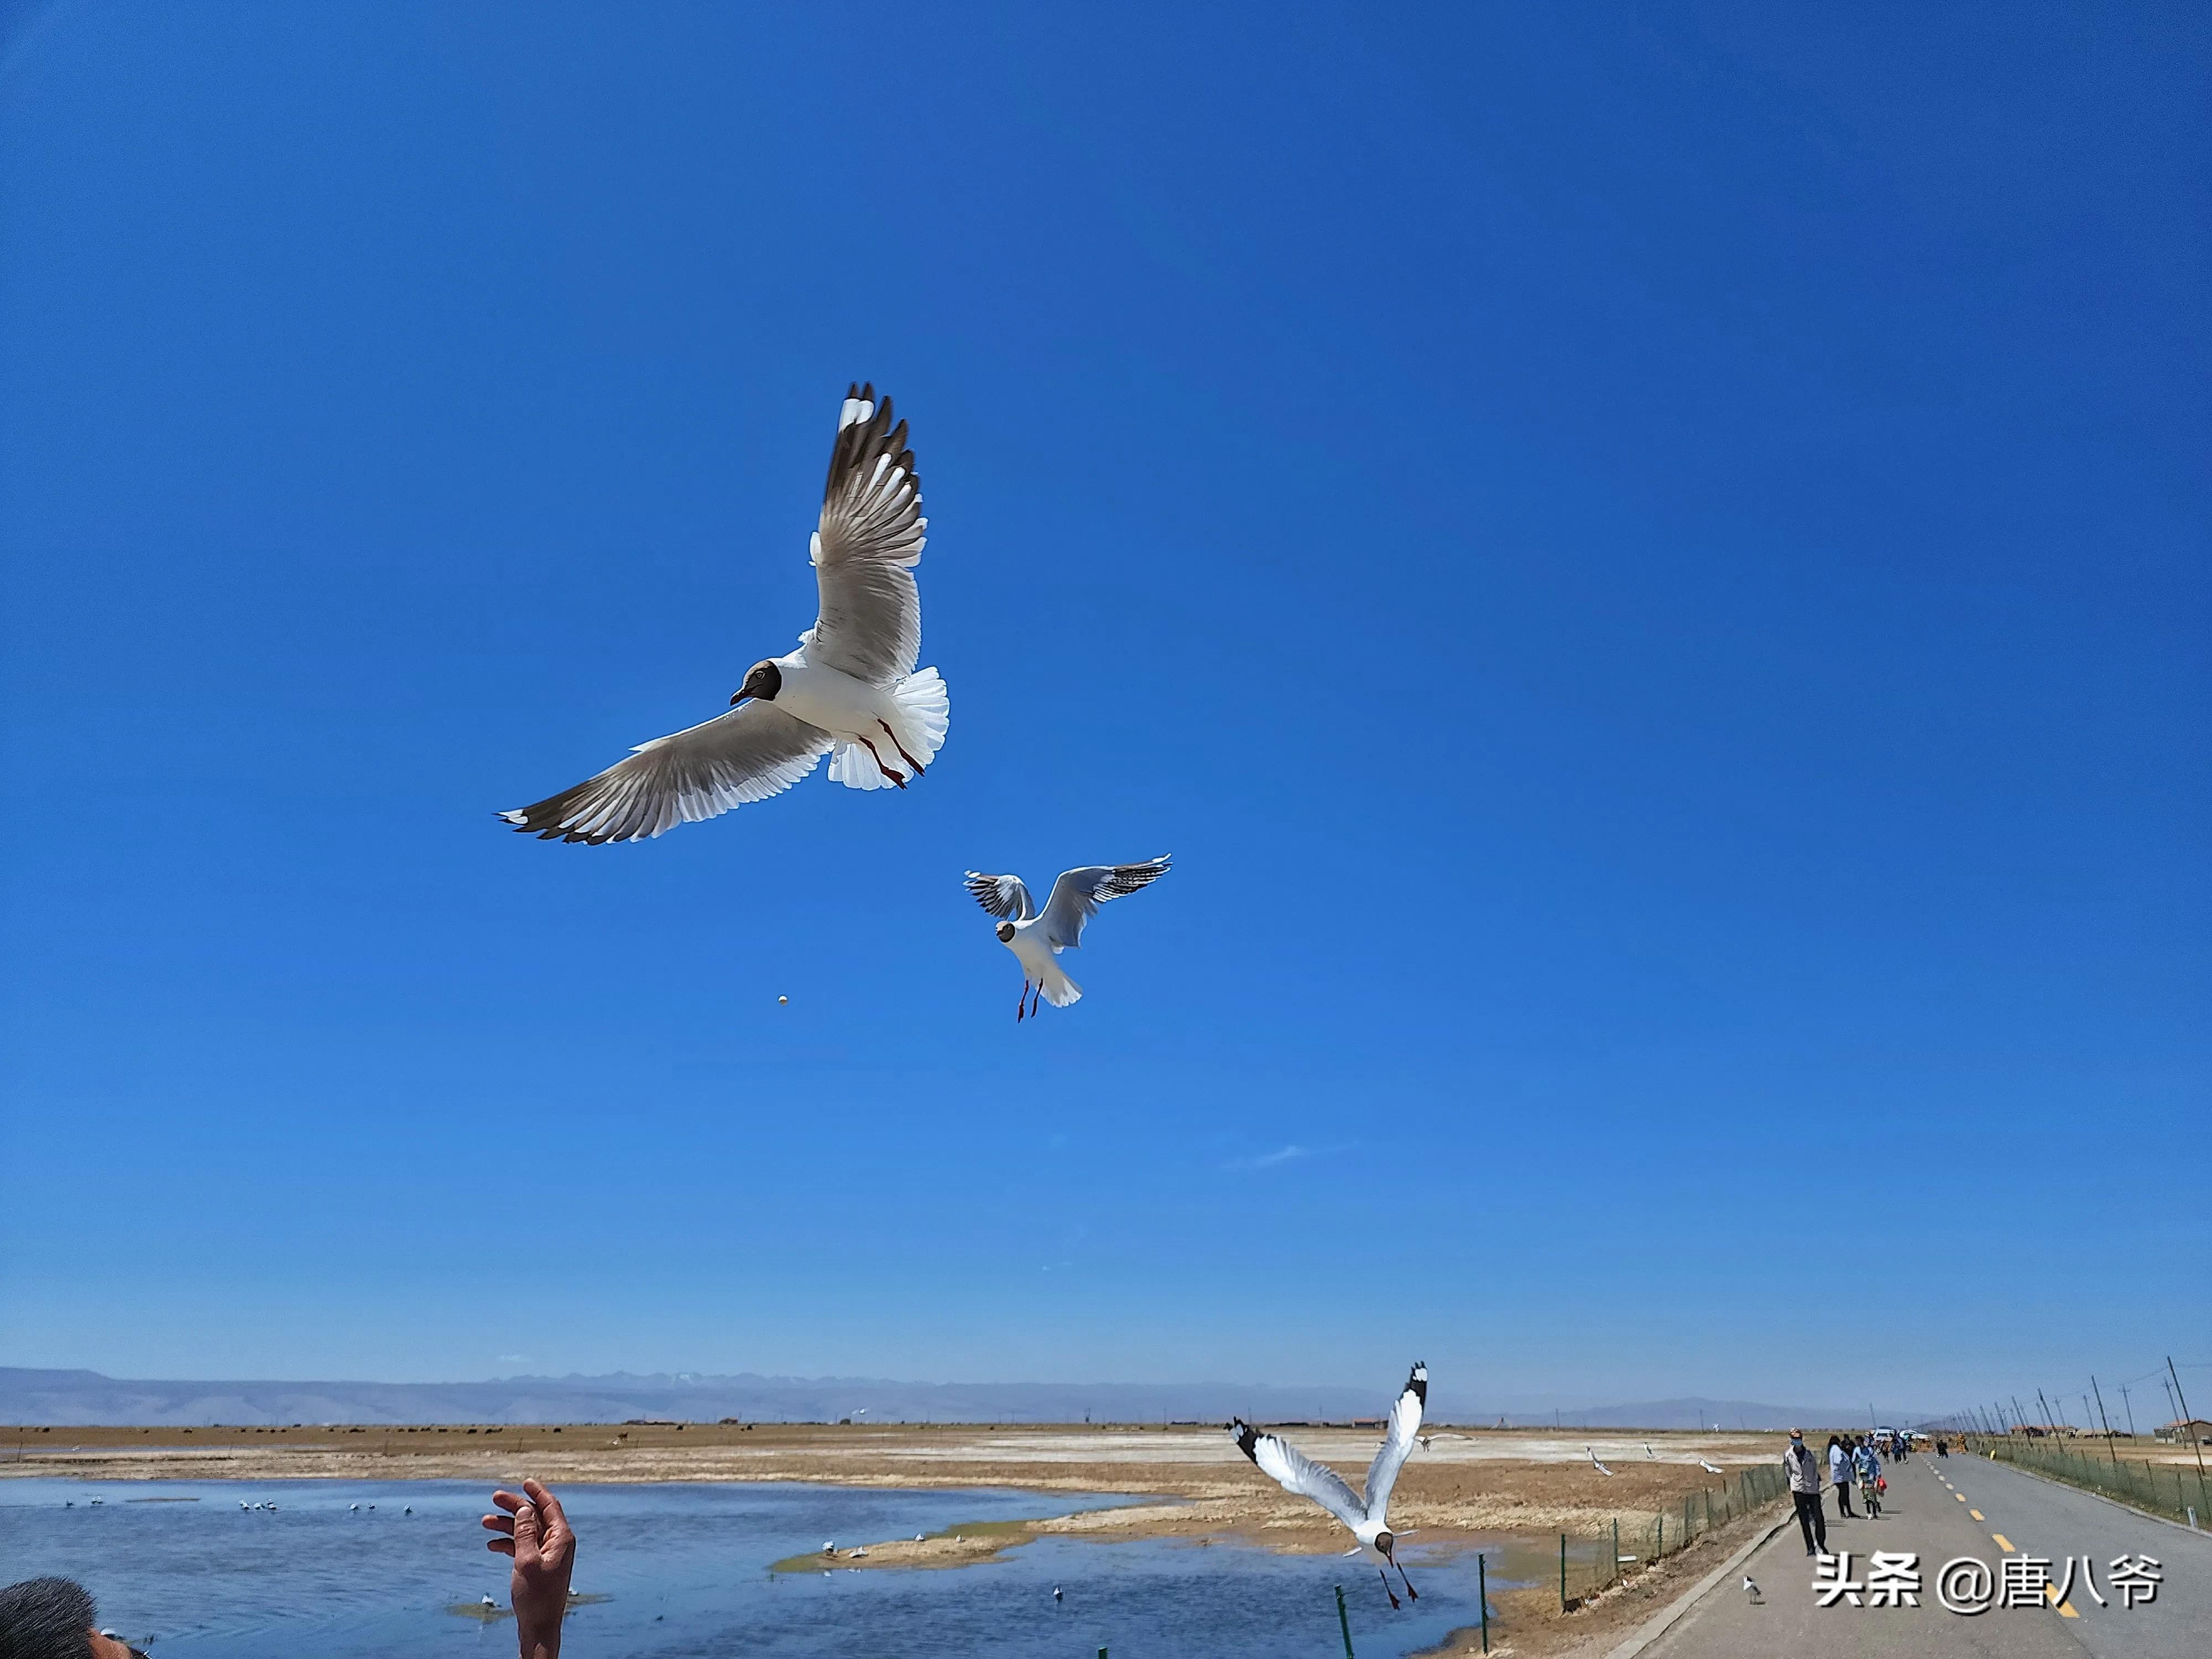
(1651, 572)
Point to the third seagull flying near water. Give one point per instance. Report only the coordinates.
(1036, 938)
(1366, 1515)
(849, 691)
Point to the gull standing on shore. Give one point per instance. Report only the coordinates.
(1299, 1473)
(1036, 938)
(849, 691)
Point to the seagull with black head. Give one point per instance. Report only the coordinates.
(849, 691)
(1366, 1515)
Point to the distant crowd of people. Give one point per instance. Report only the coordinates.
(57, 1618)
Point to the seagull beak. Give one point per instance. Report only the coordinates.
(737, 696)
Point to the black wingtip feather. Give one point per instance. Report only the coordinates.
(1248, 1438)
(1417, 1380)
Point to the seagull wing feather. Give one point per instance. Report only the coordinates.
(868, 541)
(1295, 1472)
(1006, 896)
(1397, 1441)
(1078, 894)
(752, 752)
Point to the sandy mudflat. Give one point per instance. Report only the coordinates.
(1513, 1487)
(1489, 1480)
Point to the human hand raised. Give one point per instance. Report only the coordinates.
(536, 1533)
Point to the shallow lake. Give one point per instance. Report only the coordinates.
(685, 1571)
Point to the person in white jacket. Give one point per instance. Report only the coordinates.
(1839, 1475)
(1804, 1472)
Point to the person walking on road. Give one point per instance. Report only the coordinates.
(1840, 1476)
(1804, 1472)
(1867, 1462)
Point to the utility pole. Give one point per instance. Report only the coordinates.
(2045, 1404)
(2129, 1406)
(2019, 1416)
(2105, 1421)
(2188, 1423)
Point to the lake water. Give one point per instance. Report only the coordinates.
(686, 1569)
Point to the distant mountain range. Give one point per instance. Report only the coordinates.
(57, 1397)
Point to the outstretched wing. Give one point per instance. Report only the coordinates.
(752, 752)
(867, 544)
(1397, 1441)
(1002, 895)
(1295, 1472)
(1078, 894)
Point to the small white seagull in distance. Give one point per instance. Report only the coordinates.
(1366, 1516)
(1037, 937)
(1709, 1468)
(1429, 1440)
(1600, 1467)
(1649, 1453)
(1751, 1589)
(849, 691)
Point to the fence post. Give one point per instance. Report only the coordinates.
(1481, 1588)
(1343, 1623)
(1563, 1572)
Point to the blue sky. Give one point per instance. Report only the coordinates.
(1651, 571)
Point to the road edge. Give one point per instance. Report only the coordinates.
(2125, 1509)
(1664, 1621)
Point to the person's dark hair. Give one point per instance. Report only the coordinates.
(46, 1619)
(1833, 1441)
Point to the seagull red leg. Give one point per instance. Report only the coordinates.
(1022, 1004)
(895, 777)
(1410, 1591)
(1395, 1602)
(919, 771)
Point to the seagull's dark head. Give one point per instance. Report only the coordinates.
(1006, 931)
(1382, 1542)
(763, 680)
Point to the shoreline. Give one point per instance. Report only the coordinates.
(1509, 1494)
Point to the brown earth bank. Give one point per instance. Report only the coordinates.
(1508, 1491)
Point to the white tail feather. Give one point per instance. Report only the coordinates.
(920, 712)
(1059, 989)
(853, 766)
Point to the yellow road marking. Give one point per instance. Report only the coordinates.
(2003, 1542)
(1977, 1515)
(2065, 1608)
(1961, 1496)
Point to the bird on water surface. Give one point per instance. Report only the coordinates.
(1037, 937)
(850, 691)
(1366, 1516)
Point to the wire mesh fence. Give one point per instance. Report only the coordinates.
(2177, 1490)
(2158, 1467)
(1625, 1544)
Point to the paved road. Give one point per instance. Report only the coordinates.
(1960, 1506)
